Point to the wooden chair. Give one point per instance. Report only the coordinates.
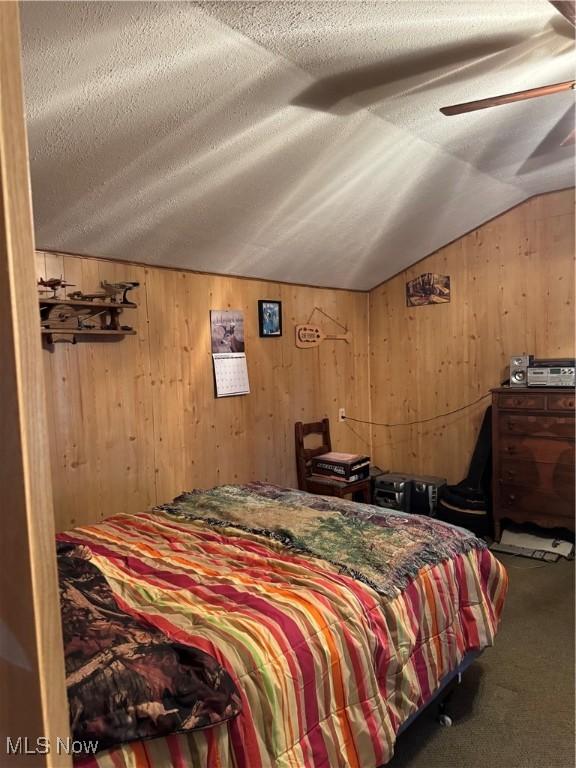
(304, 456)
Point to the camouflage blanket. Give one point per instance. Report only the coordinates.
(126, 680)
(381, 548)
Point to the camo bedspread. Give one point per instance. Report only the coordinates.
(125, 679)
(336, 623)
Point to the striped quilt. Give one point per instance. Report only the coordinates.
(335, 621)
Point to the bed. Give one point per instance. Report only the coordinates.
(332, 623)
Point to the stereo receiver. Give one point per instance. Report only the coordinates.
(551, 376)
(417, 494)
(526, 371)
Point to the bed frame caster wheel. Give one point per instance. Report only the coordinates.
(445, 720)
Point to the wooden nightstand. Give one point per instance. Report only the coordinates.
(533, 456)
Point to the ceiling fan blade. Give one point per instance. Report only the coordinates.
(567, 8)
(553, 146)
(570, 139)
(508, 98)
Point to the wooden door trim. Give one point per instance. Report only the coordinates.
(33, 702)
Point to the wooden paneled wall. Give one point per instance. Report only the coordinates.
(133, 423)
(512, 286)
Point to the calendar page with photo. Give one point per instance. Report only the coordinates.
(228, 352)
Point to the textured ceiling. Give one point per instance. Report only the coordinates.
(294, 141)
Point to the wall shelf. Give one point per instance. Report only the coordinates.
(67, 323)
(87, 303)
(86, 332)
(49, 333)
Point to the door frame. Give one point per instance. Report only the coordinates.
(33, 702)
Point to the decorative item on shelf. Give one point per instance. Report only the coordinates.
(110, 292)
(269, 318)
(308, 335)
(428, 288)
(95, 315)
(53, 285)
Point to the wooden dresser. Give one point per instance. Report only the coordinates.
(533, 456)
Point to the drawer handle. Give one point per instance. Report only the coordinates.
(511, 448)
(512, 496)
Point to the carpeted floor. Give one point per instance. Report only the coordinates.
(515, 705)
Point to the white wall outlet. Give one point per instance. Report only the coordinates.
(341, 414)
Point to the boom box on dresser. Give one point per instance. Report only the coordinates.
(533, 456)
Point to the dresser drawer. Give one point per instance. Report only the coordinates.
(520, 471)
(561, 402)
(536, 449)
(536, 401)
(556, 479)
(517, 499)
(545, 426)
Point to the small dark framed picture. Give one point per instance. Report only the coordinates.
(270, 318)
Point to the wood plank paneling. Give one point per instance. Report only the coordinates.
(512, 291)
(136, 422)
(32, 691)
(99, 408)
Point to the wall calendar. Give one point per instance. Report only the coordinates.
(228, 355)
(231, 374)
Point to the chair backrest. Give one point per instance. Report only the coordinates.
(305, 455)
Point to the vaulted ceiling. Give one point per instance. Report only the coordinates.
(297, 141)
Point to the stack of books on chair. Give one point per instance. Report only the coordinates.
(348, 467)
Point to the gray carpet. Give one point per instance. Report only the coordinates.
(515, 705)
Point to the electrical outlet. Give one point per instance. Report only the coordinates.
(341, 414)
